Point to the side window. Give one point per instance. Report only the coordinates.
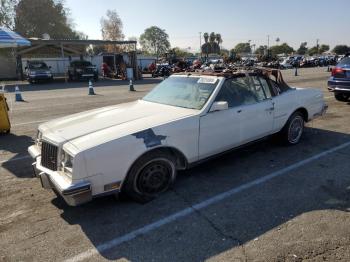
(229, 94)
(238, 91)
(258, 88)
(245, 90)
(266, 87)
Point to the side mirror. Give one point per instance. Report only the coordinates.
(49, 67)
(26, 68)
(219, 106)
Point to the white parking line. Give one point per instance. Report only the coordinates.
(190, 210)
(14, 159)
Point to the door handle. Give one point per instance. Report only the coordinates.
(270, 109)
(239, 110)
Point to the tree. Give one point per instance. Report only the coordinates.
(302, 49)
(281, 49)
(181, 53)
(219, 39)
(112, 26)
(313, 51)
(261, 50)
(242, 48)
(7, 13)
(33, 18)
(323, 48)
(341, 49)
(224, 52)
(213, 45)
(155, 40)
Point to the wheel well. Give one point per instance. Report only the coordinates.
(304, 112)
(181, 160)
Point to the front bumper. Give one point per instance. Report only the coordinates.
(73, 193)
(338, 85)
(86, 75)
(40, 77)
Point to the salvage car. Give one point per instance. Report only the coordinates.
(82, 70)
(138, 147)
(38, 71)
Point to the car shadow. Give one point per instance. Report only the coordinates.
(241, 218)
(61, 84)
(17, 145)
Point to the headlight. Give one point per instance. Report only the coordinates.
(66, 162)
(48, 72)
(79, 70)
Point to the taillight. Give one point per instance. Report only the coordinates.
(338, 72)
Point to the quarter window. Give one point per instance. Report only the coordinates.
(266, 87)
(258, 88)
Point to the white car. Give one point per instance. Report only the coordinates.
(138, 147)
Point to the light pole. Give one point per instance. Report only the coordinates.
(250, 46)
(200, 44)
(268, 47)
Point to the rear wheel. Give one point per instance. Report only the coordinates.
(293, 130)
(341, 97)
(150, 176)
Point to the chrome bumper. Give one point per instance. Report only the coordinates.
(74, 194)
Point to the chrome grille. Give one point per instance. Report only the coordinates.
(49, 155)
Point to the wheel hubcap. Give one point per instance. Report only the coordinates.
(155, 177)
(295, 129)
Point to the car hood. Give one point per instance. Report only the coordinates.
(122, 119)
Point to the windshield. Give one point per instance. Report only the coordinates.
(40, 65)
(188, 92)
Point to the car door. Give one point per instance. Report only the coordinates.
(220, 130)
(257, 110)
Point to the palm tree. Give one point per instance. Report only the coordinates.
(212, 37)
(206, 36)
(218, 40)
(205, 45)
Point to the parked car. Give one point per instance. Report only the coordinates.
(82, 70)
(339, 82)
(38, 71)
(138, 147)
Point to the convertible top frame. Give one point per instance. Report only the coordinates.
(244, 71)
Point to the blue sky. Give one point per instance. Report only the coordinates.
(293, 21)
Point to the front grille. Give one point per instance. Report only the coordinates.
(49, 156)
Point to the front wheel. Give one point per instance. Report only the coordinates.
(150, 176)
(341, 97)
(293, 130)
